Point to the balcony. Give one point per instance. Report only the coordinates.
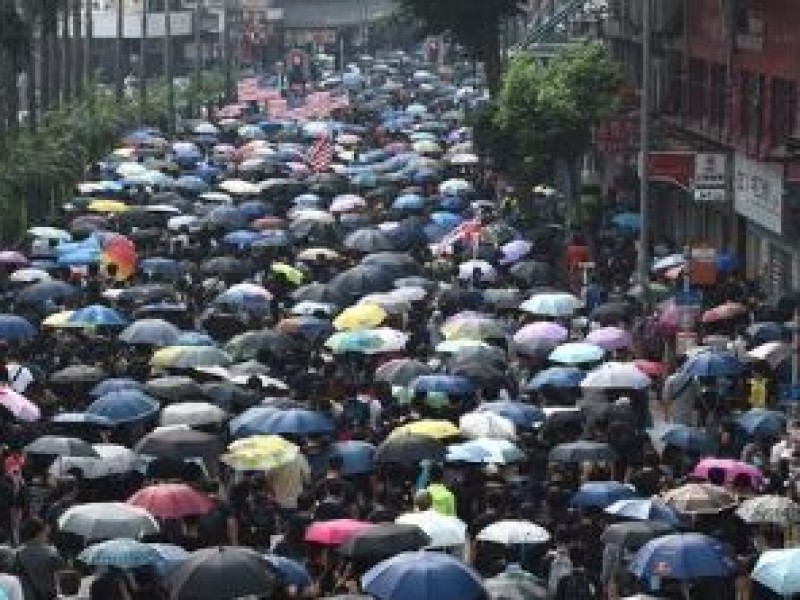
(104, 24)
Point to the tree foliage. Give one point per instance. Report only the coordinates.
(475, 24)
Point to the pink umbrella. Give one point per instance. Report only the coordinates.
(610, 338)
(542, 330)
(13, 258)
(18, 405)
(336, 532)
(671, 316)
(724, 312)
(731, 468)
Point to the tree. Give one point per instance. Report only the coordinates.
(551, 109)
(475, 24)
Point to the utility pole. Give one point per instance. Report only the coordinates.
(644, 189)
(168, 67)
(198, 53)
(119, 77)
(87, 45)
(143, 64)
(226, 48)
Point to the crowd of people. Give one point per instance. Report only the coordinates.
(317, 359)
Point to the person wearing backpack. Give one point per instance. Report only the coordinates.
(578, 584)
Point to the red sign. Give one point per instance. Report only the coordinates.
(673, 167)
(617, 135)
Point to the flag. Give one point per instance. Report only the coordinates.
(320, 155)
(468, 231)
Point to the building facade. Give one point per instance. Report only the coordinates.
(726, 170)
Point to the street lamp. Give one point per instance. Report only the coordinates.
(644, 183)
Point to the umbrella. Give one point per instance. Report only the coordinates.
(515, 584)
(600, 494)
(766, 331)
(179, 443)
(773, 353)
(44, 291)
(290, 572)
(122, 553)
(77, 374)
(486, 425)
(401, 371)
(107, 520)
(97, 316)
(522, 415)
(582, 451)
(473, 326)
(611, 313)
(335, 532)
(14, 328)
(369, 240)
(616, 375)
(445, 384)
(190, 357)
(361, 316)
(172, 501)
(556, 304)
(409, 449)
(643, 509)
(690, 439)
(50, 445)
(468, 270)
(510, 533)
(442, 530)
(733, 470)
(192, 414)
(357, 456)
(111, 459)
(485, 451)
(436, 429)
(699, 498)
(173, 388)
(724, 312)
(769, 510)
(531, 272)
(712, 363)
(383, 541)
(125, 406)
(777, 570)
(610, 338)
(632, 535)
(422, 576)
(576, 353)
(222, 573)
(556, 377)
(261, 453)
(682, 556)
(155, 332)
(532, 335)
(269, 420)
(368, 341)
(18, 405)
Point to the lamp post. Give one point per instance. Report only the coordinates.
(119, 77)
(143, 64)
(168, 67)
(644, 190)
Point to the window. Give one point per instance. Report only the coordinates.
(698, 89)
(752, 90)
(784, 110)
(718, 107)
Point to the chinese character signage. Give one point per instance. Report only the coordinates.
(709, 177)
(758, 192)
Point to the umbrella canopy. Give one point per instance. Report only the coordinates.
(616, 375)
(724, 312)
(554, 304)
(50, 445)
(361, 316)
(600, 494)
(510, 533)
(97, 316)
(125, 406)
(409, 449)
(383, 541)
(436, 429)
(443, 531)
(192, 414)
(14, 328)
(733, 470)
(422, 576)
(357, 456)
(515, 584)
(699, 498)
(190, 357)
(769, 510)
(576, 353)
(122, 553)
(779, 571)
(632, 535)
(107, 520)
(643, 509)
(18, 405)
(486, 425)
(533, 336)
(261, 453)
(683, 556)
(401, 371)
(610, 338)
(270, 420)
(172, 501)
(485, 451)
(556, 377)
(762, 423)
(522, 415)
(582, 451)
(154, 332)
(222, 573)
(711, 363)
(335, 532)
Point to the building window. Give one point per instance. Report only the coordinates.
(784, 110)
(698, 89)
(752, 90)
(718, 108)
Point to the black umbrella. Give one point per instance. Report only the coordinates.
(480, 372)
(264, 343)
(314, 229)
(226, 266)
(399, 264)
(409, 449)
(174, 389)
(611, 313)
(583, 451)
(369, 240)
(222, 573)
(319, 292)
(426, 284)
(455, 299)
(148, 293)
(229, 396)
(532, 272)
(503, 298)
(509, 586)
(632, 535)
(177, 314)
(50, 445)
(77, 374)
(401, 371)
(383, 541)
(179, 443)
(44, 291)
(361, 280)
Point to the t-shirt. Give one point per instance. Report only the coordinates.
(444, 502)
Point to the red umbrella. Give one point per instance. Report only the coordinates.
(723, 312)
(336, 532)
(172, 501)
(652, 368)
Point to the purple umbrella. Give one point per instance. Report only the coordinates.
(543, 330)
(514, 251)
(610, 338)
(13, 258)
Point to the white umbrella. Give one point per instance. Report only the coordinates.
(443, 531)
(467, 270)
(486, 425)
(616, 375)
(107, 520)
(771, 352)
(552, 304)
(514, 532)
(29, 275)
(192, 413)
(239, 187)
(113, 460)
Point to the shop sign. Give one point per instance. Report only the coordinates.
(758, 192)
(673, 167)
(709, 177)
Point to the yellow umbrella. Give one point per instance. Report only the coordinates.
(360, 316)
(190, 357)
(107, 206)
(59, 319)
(291, 274)
(261, 453)
(430, 428)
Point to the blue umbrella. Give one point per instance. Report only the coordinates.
(576, 353)
(600, 494)
(206, 172)
(116, 384)
(194, 338)
(779, 570)
(762, 423)
(82, 257)
(241, 238)
(191, 184)
(307, 201)
(357, 456)
(522, 415)
(682, 556)
(289, 571)
(254, 209)
(556, 377)
(690, 439)
(80, 418)
(120, 553)
(766, 331)
(713, 364)
(485, 451)
(270, 420)
(445, 220)
(162, 266)
(97, 315)
(409, 202)
(644, 509)
(229, 218)
(423, 576)
(154, 332)
(627, 220)
(43, 291)
(444, 384)
(125, 406)
(171, 557)
(14, 328)
(273, 238)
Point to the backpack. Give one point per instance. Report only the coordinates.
(577, 585)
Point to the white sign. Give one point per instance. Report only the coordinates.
(758, 192)
(709, 177)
